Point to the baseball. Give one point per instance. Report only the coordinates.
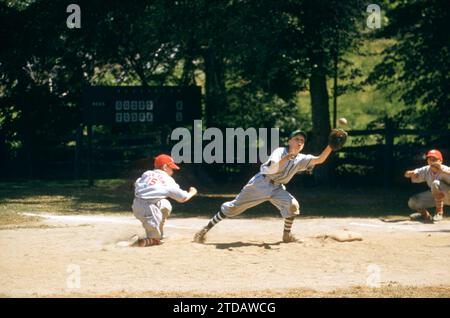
(343, 121)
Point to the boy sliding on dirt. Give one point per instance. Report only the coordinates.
(268, 184)
(437, 176)
(150, 205)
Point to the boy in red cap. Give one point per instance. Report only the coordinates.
(437, 176)
(150, 205)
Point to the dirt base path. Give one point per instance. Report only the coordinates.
(77, 256)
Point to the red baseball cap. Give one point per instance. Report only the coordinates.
(435, 154)
(162, 160)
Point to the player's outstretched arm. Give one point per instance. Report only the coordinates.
(414, 176)
(409, 174)
(192, 191)
(323, 156)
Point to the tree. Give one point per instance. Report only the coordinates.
(320, 29)
(255, 55)
(416, 65)
(198, 29)
(44, 65)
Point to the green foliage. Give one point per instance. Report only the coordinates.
(417, 63)
(254, 59)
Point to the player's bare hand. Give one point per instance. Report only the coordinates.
(192, 192)
(409, 174)
(294, 152)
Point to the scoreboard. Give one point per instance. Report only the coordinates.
(110, 105)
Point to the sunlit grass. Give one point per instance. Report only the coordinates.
(115, 197)
(367, 104)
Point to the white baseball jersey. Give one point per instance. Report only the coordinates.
(284, 174)
(438, 182)
(425, 174)
(157, 184)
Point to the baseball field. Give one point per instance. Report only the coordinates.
(121, 121)
(58, 239)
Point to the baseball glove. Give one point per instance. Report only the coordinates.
(337, 139)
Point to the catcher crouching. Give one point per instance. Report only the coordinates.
(269, 183)
(437, 177)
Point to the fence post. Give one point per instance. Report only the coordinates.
(165, 138)
(76, 163)
(89, 155)
(388, 152)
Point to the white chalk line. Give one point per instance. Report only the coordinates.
(124, 220)
(393, 227)
(96, 219)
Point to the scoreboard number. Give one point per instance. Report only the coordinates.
(134, 105)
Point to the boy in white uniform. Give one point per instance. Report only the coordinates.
(437, 177)
(150, 205)
(268, 185)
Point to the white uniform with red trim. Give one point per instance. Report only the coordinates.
(150, 205)
(438, 182)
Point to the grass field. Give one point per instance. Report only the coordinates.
(114, 196)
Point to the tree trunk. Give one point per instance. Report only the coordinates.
(215, 94)
(188, 77)
(320, 111)
(320, 120)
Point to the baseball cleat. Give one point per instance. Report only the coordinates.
(415, 216)
(289, 238)
(200, 236)
(438, 217)
(426, 218)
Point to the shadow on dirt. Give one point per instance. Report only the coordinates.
(224, 246)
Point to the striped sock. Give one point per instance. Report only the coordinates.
(288, 224)
(216, 219)
(439, 201)
(439, 206)
(148, 242)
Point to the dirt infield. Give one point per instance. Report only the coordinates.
(241, 258)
